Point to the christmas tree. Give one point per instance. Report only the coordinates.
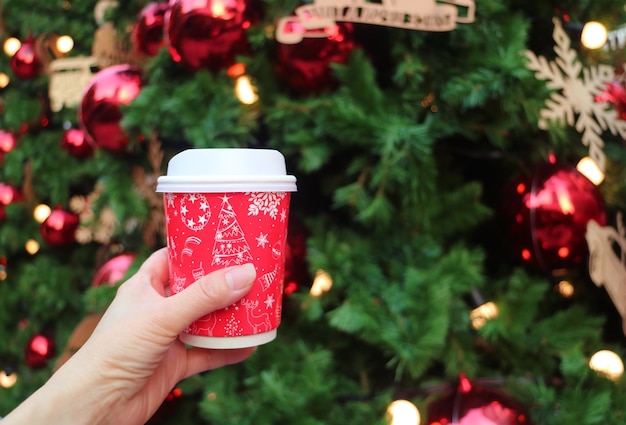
(444, 250)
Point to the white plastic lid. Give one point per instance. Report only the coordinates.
(227, 170)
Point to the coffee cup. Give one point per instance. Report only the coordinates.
(226, 207)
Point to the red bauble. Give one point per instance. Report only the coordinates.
(305, 66)
(148, 31)
(9, 194)
(207, 34)
(100, 114)
(7, 141)
(60, 227)
(76, 143)
(296, 265)
(470, 404)
(546, 216)
(25, 63)
(39, 349)
(113, 270)
(615, 94)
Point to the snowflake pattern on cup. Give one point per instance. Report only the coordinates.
(209, 231)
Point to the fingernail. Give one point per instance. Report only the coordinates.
(240, 277)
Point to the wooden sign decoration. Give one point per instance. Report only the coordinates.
(68, 79)
(423, 15)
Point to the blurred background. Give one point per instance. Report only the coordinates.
(456, 244)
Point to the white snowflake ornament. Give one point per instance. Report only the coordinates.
(574, 100)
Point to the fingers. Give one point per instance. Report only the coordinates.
(201, 359)
(214, 291)
(156, 270)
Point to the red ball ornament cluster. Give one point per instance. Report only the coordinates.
(615, 95)
(8, 141)
(148, 32)
(9, 194)
(208, 34)
(100, 109)
(25, 63)
(76, 143)
(470, 404)
(113, 270)
(305, 66)
(59, 229)
(39, 349)
(546, 215)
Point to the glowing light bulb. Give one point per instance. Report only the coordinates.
(245, 91)
(4, 80)
(322, 283)
(32, 246)
(482, 313)
(594, 35)
(565, 288)
(588, 168)
(11, 46)
(607, 363)
(41, 213)
(403, 412)
(7, 380)
(65, 44)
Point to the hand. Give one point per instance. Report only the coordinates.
(133, 359)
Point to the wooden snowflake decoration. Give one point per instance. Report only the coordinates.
(607, 261)
(573, 101)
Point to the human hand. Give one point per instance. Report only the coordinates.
(133, 359)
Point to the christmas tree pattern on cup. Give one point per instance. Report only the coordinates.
(209, 231)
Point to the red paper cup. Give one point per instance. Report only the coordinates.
(226, 207)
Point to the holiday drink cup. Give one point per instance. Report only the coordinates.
(225, 207)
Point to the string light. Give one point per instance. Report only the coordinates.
(565, 288)
(588, 168)
(7, 379)
(403, 412)
(483, 312)
(245, 91)
(41, 212)
(607, 363)
(4, 80)
(32, 246)
(594, 35)
(65, 44)
(322, 283)
(11, 46)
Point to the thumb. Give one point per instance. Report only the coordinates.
(215, 291)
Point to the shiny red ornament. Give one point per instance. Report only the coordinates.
(100, 113)
(546, 214)
(147, 36)
(8, 141)
(60, 227)
(39, 349)
(470, 404)
(25, 63)
(305, 66)
(113, 270)
(208, 34)
(296, 265)
(9, 194)
(615, 94)
(76, 143)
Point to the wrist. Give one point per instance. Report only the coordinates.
(65, 399)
